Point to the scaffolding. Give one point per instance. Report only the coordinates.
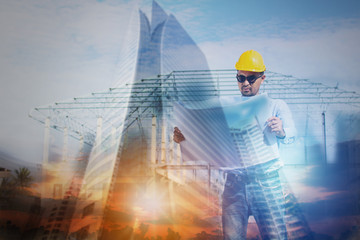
(79, 115)
(100, 116)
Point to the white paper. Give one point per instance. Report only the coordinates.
(224, 135)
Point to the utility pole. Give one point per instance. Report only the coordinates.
(324, 135)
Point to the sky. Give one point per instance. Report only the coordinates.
(56, 50)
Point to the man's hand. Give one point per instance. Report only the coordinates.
(276, 126)
(178, 136)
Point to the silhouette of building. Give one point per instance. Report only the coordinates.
(121, 163)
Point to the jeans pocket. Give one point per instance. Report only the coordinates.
(229, 183)
(233, 192)
(269, 183)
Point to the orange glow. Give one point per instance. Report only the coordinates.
(184, 209)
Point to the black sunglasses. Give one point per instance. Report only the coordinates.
(251, 79)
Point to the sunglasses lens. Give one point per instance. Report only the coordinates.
(251, 79)
(240, 78)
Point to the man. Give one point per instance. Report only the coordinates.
(256, 188)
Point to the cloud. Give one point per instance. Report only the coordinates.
(323, 51)
(60, 33)
(309, 194)
(313, 184)
(51, 51)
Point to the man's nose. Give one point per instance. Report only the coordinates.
(246, 82)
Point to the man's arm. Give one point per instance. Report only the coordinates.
(276, 126)
(282, 124)
(288, 125)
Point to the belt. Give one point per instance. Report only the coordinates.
(247, 178)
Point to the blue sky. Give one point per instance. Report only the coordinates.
(289, 16)
(56, 50)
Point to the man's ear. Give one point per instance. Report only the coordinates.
(263, 78)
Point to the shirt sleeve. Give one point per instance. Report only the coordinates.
(284, 113)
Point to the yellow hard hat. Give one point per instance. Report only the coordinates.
(251, 61)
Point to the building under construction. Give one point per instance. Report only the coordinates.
(128, 177)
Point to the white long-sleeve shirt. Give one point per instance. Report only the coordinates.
(267, 147)
(206, 130)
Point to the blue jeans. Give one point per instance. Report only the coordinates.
(253, 192)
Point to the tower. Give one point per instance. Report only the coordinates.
(120, 170)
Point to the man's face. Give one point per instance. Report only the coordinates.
(248, 89)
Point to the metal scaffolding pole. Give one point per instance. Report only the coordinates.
(324, 135)
(80, 115)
